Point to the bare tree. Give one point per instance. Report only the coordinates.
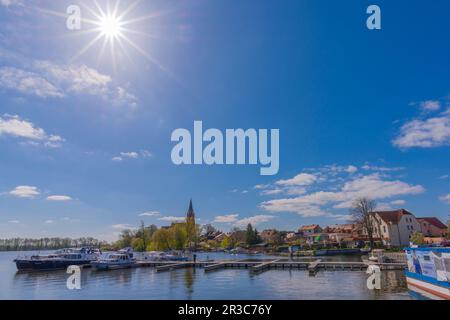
(361, 213)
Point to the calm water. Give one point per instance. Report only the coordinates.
(145, 283)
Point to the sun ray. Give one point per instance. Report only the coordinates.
(148, 17)
(92, 11)
(116, 8)
(129, 9)
(102, 13)
(86, 48)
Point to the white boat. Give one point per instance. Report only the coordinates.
(118, 260)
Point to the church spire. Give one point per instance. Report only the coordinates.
(190, 213)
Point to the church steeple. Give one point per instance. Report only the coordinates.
(190, 214)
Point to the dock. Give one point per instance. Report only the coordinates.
(263, 265)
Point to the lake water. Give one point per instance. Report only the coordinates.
(228, 284)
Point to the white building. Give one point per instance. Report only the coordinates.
(395, 228)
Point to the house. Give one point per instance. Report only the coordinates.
(394, 228)
(340, 228)
(341, 233)
(268, 235)
(317, 238)
(432, 227)
(306, 231)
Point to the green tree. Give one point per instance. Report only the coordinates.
(417, 238)
(226, 242)
(178, 236)
(161, 240)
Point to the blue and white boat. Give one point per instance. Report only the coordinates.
(121, 259)
(428, 272)
(58, 260)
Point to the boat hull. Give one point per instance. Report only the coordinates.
(111, 266)
(44, 265)
(427, 287)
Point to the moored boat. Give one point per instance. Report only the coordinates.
(121, 259)
(58, 260)
(428, 272)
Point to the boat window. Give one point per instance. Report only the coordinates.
(426, 258)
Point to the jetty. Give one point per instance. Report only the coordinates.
(259, 266)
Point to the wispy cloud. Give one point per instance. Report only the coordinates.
(122, 226)
(425, 133)
(430, 105)
(229, 218)
(340, 191)
(255, 220)
(143, 154)
(150, 214)
(47, 79)
(17, 127)
(302, 179)
(59, 198)
(445, 198)
(172, 219)
(29, 192)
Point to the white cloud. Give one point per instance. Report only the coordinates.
(47, 79)
(303, 179)
(398, 202)
(173, 219)
(130, 155)
(351, 169)
(20, 128)
(255, 220)
(150, 214)
(28, 83)
(428, 133)
(144, 154)
(229, 218)
(14, 221)
(430, 105)
(372, 186)
(271, 192)
(381, 169)
(122, 226)
(445, 198)
(59, 198)
(49, 221)
(383, 206)
(25, 192)
(444, 177)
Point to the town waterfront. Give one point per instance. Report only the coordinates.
(147, 284)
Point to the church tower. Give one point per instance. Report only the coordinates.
(191, 228)
(190, 214)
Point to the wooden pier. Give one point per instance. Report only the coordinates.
(263, 265)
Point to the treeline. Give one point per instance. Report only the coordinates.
(25, 244)
(178, 236)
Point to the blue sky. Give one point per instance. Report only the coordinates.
(85, 135)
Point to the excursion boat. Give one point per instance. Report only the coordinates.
(121, 259)
(428, 272)
(58, 260)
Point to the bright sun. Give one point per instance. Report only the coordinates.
(111, 27)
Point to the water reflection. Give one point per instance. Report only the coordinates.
(146, 283)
